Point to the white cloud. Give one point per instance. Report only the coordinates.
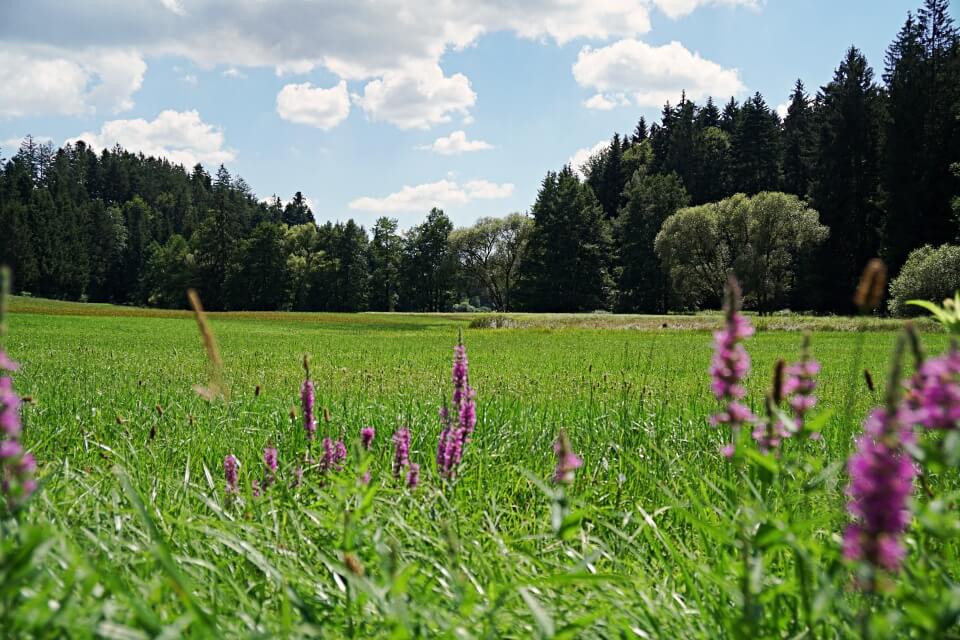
(190, 79)
(180, 136)
(321, 108)
(416, 97)
(653, 75)
(233, 72)
(12, 145)
(580, 156)
(679, 8)
(606, 103)
(43, 81)
(455, 144)
(395, 47)
(782, 110)
(174, 6)
(442, 193)
(486, 190)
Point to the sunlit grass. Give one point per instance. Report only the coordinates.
(113, 420)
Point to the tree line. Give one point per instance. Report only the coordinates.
(863, 166)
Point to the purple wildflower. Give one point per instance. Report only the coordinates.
(401, 450)
(17, 467)
(366, 437)
(801, 383)
(935, 392)
(881, 481)
(413, 475)
(567, 461)
(255, 488)
(459, 422)
(230, 467)
(308, 398)
(334, 453)
(271, 463)
(365, 479)
(6, 363)
(731, 363)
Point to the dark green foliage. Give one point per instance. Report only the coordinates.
(651, 199)
(922, 132)
(428, 264)
(566, 265)
(846, 189)
(928, 274)
(386, 252)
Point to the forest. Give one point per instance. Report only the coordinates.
(867, 165)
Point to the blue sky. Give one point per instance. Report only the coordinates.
(351, 102)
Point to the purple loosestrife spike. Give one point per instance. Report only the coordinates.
(334, 453)
(271, 463)
(730, 364)
(934, 392)
(413, 475)
(401, 450)
(17, 467)
(6, 364)
(459, 422)
(567, 461)
(881, 481)
(801, 383)
(230, 467)
(308, 398)
(255, 488)
(367, 435)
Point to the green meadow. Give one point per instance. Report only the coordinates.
(132, 535)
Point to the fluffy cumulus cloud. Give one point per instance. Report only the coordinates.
(679, 8)
(580, 156)
(393, 48)
(47, 81)
(306, 104)
(180, 136)
(782, 109)
(416, 97)
(652, 75)
(442, 193)
(455, 144)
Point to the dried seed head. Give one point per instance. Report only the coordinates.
(256, 391)
(326, 414)
(215, 388)
(870, 289)
(868, 378)
(159, 410)
(353, 564)
(293, 414)
(120, 420)
(777, 391)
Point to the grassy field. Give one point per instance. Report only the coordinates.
(138, 539)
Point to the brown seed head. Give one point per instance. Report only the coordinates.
(873, 283)
(777, 392)
(353, 564)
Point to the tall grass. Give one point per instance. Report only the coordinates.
(132, 534)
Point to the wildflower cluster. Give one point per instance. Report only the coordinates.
(881, 481)
(730, 366)
(567, 461)
(458, 421)
(17, 467)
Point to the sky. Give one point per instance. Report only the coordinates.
(390, 107)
